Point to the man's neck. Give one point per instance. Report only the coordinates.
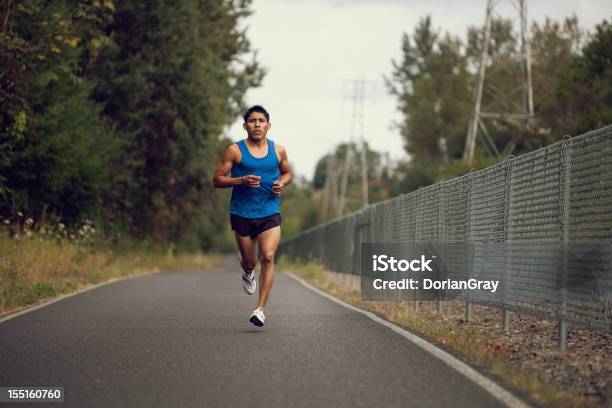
(257, 143)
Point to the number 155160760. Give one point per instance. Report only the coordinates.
(31, 394)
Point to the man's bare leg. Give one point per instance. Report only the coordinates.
(268, 243)
(248, 252)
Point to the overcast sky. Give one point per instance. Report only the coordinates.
(313, 48)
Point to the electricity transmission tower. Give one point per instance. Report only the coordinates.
(357, 131)
(512, 111)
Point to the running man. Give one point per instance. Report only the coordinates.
(259, 173)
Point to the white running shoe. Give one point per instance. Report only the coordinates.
(257, 317)
(248, 282)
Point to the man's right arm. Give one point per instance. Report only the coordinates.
(221, 180)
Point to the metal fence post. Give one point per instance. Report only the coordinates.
(507, 238)
(563, 335)
(469, 309)
(469, 312)
(506, 319)
(565, 220)
(441, 231)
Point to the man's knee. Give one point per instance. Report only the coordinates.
(267, 256)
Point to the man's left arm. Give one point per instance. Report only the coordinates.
(285, 171)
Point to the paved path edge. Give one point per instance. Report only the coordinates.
(28, 309)
(487, 384)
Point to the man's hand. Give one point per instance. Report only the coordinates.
(277, 188)
(251, 180)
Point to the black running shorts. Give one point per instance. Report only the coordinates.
(252, 227)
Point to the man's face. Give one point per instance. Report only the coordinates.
(256, 126)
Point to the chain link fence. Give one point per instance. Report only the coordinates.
(556, 197)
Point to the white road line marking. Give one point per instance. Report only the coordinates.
(488, 385)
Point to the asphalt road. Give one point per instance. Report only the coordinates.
(182, 339)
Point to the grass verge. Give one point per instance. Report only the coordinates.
(34, 270)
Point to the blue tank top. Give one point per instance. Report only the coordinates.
(256, 202)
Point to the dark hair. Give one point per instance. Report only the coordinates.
(256, 108)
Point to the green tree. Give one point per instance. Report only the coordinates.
(553, 48)
(431, 84)
(414, 65)
(54, 145)
(173, 77)
(584, 88)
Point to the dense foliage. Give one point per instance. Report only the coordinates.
(114, 111)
